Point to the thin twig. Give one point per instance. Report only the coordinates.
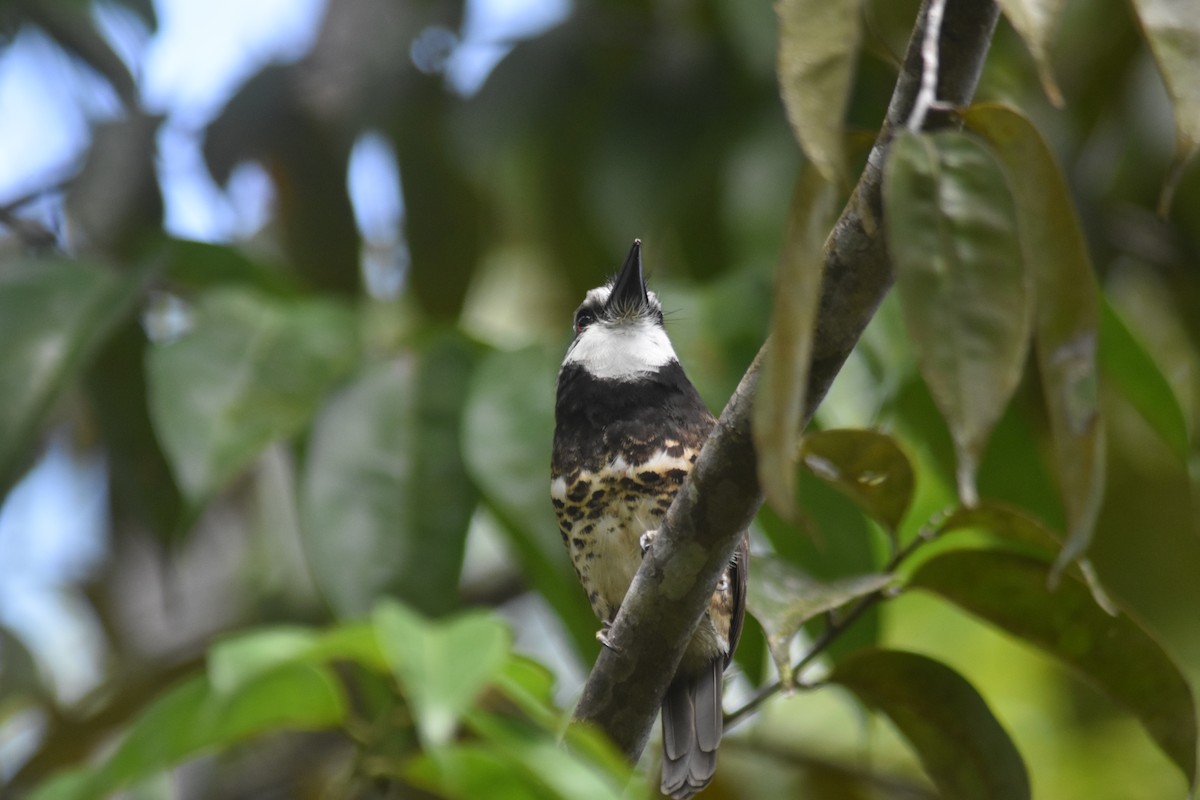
(834, 630)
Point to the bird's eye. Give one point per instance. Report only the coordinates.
(583, 319)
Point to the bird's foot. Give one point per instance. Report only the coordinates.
(647, 539)
(602, 635)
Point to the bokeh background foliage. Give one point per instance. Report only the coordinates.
(312, 473)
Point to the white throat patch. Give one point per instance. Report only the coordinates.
(621, 351)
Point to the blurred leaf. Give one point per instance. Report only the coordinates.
(18, 671)
(818, 46)
(1037, 22)
(241, 658)
(1114, 654)
(779, 402)
(967, 301)
(115, 202)
(531, 686)
(565, 772)
(1128, 364)
(469, 771)
(141, 483)
(249, 371)
(1011, 524)
(54, 315)
(782, 598)
(199, 265)
(868, 467)
(234, 662)
(441, 666)
(962, 746)
(1068, 310)
(386, 500)
(1172, 29)
(508, 430)
(192, 718)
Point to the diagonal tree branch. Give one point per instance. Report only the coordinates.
(722, 495)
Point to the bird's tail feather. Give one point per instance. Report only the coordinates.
(691, 723)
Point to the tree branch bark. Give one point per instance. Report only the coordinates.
(721, 496)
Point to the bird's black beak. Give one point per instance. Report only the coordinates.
(629, 290)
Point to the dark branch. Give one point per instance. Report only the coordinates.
(722, 495)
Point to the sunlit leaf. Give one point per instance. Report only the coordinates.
(1066, 333)
(867, 466)
(782, 598)
(967, 300)
(54, 315)
(249, 372)
(1037, 22)
(441, 665)
(1132, 369)
(783, 383)
(507, 434)
(1172, 28)
(1114, 654)
(385, 499)
(961, 745)
(818, 46)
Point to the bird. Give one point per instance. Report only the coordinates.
(629, 426)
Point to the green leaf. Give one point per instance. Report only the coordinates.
(779, 402)
(442, 665)
(1037, 23)
(1112, 653)
(782, 598)
(962, 746)
(192, 718)
(1013, 525)
(250, 371)
(237, 660)
(967, 300)
(54, 316)
(1068, 311)
(566, 772)
(199, 265)
(818, 46)
(1134, 372)
(1172, 29)
(139, 478)
(386, 501)
(868, 467)
(508, 431)
(469, 771)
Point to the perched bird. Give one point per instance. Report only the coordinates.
(628, 428)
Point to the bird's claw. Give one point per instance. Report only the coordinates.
(602, 635)
(647, 539)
